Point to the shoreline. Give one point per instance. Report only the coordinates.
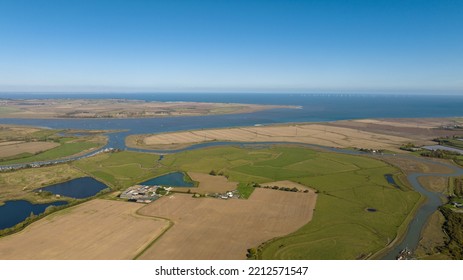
(376, 134)
(82, 108)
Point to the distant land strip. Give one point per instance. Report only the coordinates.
(387, 134)
(120, 108)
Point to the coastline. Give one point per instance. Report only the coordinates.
(376, 134)
(122, 108)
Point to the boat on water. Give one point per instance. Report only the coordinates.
(404, 254)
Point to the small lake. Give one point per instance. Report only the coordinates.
(175, 179)
(16, 211)
(77, 188)
(391, 181)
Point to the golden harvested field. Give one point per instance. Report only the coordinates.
(98, 229)
(420, 130)
(7, 130)
(208, 228)
(209, 184)
(7, 143)
(388, 134)
(26, 147)
(319, 134)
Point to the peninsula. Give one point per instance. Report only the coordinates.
(119, 108)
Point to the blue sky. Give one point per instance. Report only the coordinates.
(232, 46)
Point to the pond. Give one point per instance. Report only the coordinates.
(175, 179)
(16, 211)
(391, 181)
(77, 188)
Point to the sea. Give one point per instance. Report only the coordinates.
(313, 108)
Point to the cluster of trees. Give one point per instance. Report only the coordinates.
(286, 189)
(409, 147)
(458, 187)
(220, 173)
(440, 154)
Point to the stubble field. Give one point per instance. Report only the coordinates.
(207, 228)
(98, 229)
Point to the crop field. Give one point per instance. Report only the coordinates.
(319, 134)
(9, 149)
(347, 186)
(11, 132)
(208, 228)
(209, 184)
(67, 147)
(22, 144)
(97, 229)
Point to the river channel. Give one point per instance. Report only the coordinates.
(141, 126)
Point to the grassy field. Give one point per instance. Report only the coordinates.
(121, 170)
(15, 149)
(21, 183)
(68, 147)
(30, 144)
(347, 186)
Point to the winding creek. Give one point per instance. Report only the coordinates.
(143, 126)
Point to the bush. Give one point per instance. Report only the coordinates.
(251, 253)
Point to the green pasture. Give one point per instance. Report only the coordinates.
(347, 185)
(67, 147)
(120, 170)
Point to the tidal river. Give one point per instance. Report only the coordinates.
(314, 108)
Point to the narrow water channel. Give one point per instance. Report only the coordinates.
(416, 226)
(432, 203)
(412, 237)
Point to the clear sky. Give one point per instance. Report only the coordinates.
(231, 46)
